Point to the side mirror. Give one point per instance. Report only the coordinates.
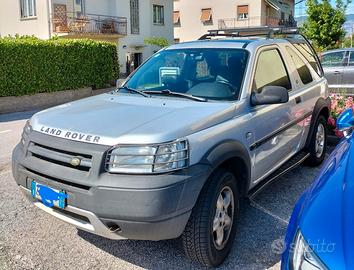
(345, 122)
(120, 82)
(270, 95)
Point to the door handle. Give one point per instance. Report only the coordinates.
(298, 100)
(337, 72)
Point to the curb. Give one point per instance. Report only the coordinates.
(46, 100)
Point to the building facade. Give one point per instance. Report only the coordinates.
(194, 18)
(127, 22)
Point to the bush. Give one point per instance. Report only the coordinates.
(29, 65)
(339, 104)
(157, 41)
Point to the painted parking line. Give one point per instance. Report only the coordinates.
(5, 131)
(267, 212)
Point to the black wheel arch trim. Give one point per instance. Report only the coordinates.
(321, 104)
(226, 150)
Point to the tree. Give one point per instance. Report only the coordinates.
(348, 42)
(157, 41)
(324, 24)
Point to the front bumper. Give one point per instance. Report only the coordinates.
(116, 206)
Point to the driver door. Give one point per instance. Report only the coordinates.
(277, 134)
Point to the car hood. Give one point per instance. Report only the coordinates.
(110, 119)
(327, 219)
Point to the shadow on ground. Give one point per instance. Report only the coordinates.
(16, 116)
(259, 227)
(254, 237)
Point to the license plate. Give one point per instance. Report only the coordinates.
(48, 196)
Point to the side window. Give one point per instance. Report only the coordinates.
(351, 58)
(306, 52)
(270, 70)
(334, 59)
(302, 69)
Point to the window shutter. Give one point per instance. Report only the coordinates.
(242, 9)
(206, 15)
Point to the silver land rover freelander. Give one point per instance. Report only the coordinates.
(171, 153)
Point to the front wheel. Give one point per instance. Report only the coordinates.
(211, 229)
(318, 144)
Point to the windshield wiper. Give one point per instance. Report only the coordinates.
(176, 94)
(131, 90)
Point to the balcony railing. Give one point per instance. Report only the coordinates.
(74, 23)
(255, 21)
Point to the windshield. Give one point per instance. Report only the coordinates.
(215, 74)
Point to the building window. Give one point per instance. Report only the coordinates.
(206, 16)
(176, 18)
(158, 14)
(79, 8)
(134, 17)
(242, 12)
(177, 40)
(28, 8)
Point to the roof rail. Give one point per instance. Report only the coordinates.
(267, 31)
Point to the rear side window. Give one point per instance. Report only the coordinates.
(351, 59)
(334, 59)
(306, 51)
(270, 70)
(302, 69)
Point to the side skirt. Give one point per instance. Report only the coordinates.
(288, 166)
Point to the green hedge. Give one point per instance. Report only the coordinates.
(29, 65)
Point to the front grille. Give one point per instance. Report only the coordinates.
(49, 178)
(60, 157)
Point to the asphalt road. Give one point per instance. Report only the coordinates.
(31, 239)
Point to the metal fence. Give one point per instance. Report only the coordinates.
(71, 22)
(255, 21)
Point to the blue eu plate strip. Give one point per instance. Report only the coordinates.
(49, 196)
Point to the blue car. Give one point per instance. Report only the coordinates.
(321, 229)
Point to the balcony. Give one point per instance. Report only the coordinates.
(70, 23)
(225, 24)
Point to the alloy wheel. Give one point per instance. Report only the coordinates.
(223, 219)
(320, 140)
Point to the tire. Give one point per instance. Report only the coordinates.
(200, 242)
(317, 152)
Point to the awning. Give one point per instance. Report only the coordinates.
(279, 6)
(274, 4)
(242, 9)
(176, 17)
(206, 15)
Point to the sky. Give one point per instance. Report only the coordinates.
(300, 9)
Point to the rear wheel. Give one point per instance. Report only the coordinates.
(211, 229)
(318, 144)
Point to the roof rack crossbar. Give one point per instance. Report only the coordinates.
(267, 31)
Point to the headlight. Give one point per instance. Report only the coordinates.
(26, 131)
(303, 257)
(148, 158)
